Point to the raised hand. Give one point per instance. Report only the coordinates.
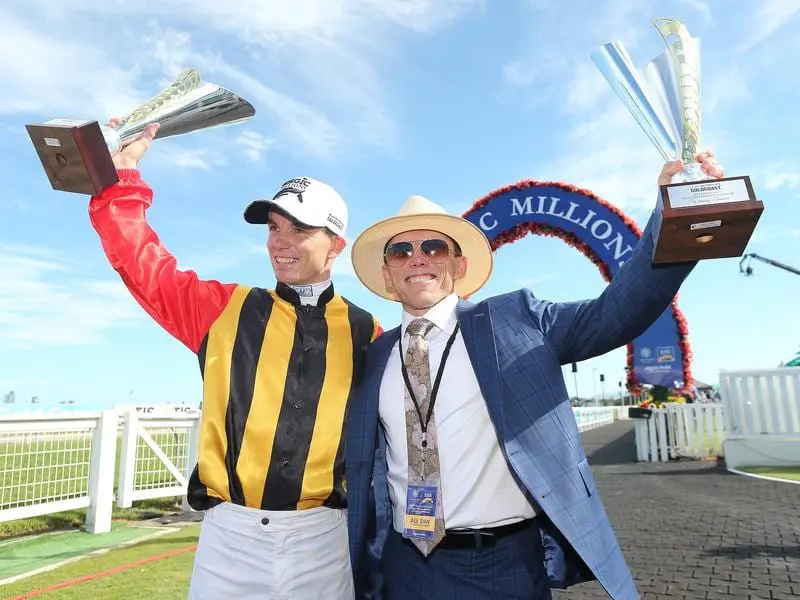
(132, 153)
(708, 163)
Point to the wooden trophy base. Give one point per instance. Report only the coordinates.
(74, 155)
(705, 219)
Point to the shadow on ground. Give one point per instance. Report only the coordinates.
(618, 451)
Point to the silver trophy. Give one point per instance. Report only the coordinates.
(665, 97)
(698, 218)
(77, 154)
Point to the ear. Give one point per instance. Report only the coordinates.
(461, 267)
(387, 280)
(338, 244)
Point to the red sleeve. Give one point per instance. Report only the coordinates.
(178, 300)
(377, 330)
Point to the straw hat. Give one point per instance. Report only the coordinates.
(420, 213)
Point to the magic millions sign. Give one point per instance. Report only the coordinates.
(606, 236)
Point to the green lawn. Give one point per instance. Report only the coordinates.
(165, 579)
(788, 473)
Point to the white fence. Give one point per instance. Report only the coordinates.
(681, 431)
(55, 464)
(757, 423)
(157, 456)
(592, 417)
(762, 416)
(67, 462)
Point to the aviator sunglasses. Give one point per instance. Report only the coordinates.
(399, 253)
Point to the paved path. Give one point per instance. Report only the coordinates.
(689, 530)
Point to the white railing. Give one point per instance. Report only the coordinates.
(762, 402)
(65, 462)
(681, 431)
(592, 417)
(55, 464)
(762, 416)
(158, 453)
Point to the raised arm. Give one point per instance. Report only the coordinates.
(178, 300)
(637, 295)
(634, 299)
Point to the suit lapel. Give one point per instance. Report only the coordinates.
(379, 353)
(476, 328)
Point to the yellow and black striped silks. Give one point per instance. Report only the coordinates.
(277, 380)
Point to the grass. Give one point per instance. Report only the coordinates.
(788, 473)
(57, 467)
(145, 509)
(165, 579)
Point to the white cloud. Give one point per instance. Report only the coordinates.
(316, 70)
(254, 144)
(781, 176)
(197, 158)
(770, 17)
(44, 300)
(518, 73)
(724, 88)
(39, 79)
(700, 6)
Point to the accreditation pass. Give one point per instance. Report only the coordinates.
(420, 512)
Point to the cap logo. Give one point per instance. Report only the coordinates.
(335, 221)
(296, 186)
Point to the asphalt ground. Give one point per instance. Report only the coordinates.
(690, 530)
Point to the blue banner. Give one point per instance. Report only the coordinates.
(581, 218)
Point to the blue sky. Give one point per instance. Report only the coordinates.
(381, 98)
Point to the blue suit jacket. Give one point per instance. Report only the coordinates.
(517, 344)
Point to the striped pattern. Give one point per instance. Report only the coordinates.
(278, 378)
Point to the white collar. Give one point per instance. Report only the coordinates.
(309, 293)
(442, 315)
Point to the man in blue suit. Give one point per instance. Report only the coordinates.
(466, 475)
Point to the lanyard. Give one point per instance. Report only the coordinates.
(434, 391)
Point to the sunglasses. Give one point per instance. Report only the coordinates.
(399, 253)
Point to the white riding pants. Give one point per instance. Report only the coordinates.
(249, 554)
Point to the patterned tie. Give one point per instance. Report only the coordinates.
(423, 455)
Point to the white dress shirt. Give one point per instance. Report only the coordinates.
(477, 487)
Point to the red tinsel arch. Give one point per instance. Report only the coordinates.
(519, 231)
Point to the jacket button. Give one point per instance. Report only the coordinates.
(265, 521)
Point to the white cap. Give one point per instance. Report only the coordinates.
(309, 201)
